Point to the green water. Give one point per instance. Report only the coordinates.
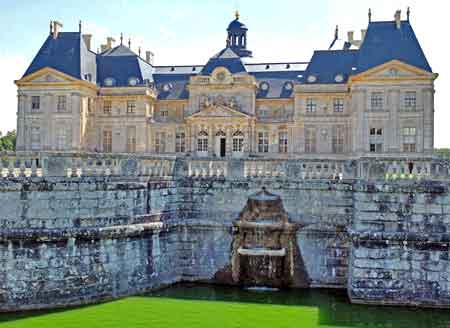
(211, 306)
(333, 308)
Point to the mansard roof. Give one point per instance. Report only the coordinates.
(68, 54)
(385, 42)
(121, 63)
(225, 58)
(326, 65)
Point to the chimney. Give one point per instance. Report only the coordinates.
(103, 47)
(56, 28)
(109, 42)
(363, 34)
(87, 40)
(398, 17)
(350, 36)
(149, 56)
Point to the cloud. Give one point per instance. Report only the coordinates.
(12, 68)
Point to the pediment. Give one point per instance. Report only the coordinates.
(47, 75)
(219, 111)
(394, 70)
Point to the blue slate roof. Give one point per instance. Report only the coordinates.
(121, 64)
(277, 82)
(65, 54)
(177, 85)
(384, 42)
(326, 64)
(225, 58)
(236, 25)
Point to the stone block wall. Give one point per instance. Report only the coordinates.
(400, 244)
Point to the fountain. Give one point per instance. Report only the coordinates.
(265, 251)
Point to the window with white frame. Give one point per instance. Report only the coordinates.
(238, 142)
(160, 142)
(376, 131)
(376, 101)
(61, 138)
(410, 100)
(282, 141)
(311, 105)
(310, 140)
(263, 141)
(107, 107)
(131, 107)
(131, 139)
(338, 105)
(180, 142)
(62, 104)
(376, 147)
(409, 139)
(107, 141)
(202, 142)
(337, 140)
(35, 103)
(164, 112)
(35, 138)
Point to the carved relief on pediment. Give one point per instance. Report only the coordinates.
(218, 100)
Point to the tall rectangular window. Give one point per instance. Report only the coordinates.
(62, 104)
(160, 142)
(107, 141)
(311, 105)
(338, 139)
(202, 142)
(376, 147)
(180, 142)
(409, 139)
(131, 139)
(35, 103)
(282, 142)
(410, 100)
(263, 142)
(310, 140)
(107, 107)
(35, 138)
(338, 105)
(131, 107)
(376, 101)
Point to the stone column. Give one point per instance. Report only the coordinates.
(21, 123)
(391, 130)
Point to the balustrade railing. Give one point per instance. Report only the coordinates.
(60, 164)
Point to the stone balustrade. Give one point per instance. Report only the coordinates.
(62, 164)
(205, 168)
(20, 165)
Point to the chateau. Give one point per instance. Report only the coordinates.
(368, 95)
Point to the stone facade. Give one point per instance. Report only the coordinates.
(218, 110)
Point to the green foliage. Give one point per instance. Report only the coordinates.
(8, 142)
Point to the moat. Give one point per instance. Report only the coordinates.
(189, 305)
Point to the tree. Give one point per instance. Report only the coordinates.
(8, 141)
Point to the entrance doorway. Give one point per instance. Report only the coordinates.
(223, 147)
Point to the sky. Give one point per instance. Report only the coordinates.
(191, 31)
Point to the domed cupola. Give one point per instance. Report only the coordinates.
(237, 37)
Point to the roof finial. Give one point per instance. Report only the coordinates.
(79, 26)
(408, 12)
(139, 51)
(336, 33)
(228, 42)
(121, 38)
(51, 27)
(370, 15)
(129, 43)
(236, 14)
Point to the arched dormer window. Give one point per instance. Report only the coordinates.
(238, 142)
(202, 142)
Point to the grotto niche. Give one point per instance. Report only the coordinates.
(264, 250)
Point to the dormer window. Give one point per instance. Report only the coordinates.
(133, 81)
(167, 87)
(339, 78)
(264, 86)
(288, 86)
(312, 78)
(109, 82)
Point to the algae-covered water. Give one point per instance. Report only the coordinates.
(211, 306)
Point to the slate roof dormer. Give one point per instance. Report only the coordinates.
(120, 64)
(226, 58)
